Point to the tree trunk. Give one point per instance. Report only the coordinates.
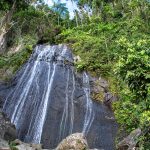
(6, 24)
(76, 19)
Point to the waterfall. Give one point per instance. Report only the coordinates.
(37, 127)
(65, 112)
(69, 98)
(50, 101)
(19, 106)
(89, 114)
(40, 118)
(72, 103)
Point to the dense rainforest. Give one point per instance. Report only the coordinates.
(111, 37)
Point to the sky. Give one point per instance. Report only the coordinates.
(70, 5)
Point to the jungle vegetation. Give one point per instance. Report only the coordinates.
(112, 38)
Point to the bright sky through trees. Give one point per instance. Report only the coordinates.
(70, 5)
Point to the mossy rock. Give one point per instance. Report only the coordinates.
(98, 96)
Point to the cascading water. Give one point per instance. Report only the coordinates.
(50, 101)
(72, 104)
(89, 115)
(35, 130)
(65, 112)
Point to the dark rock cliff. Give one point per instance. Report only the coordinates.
(48, 101)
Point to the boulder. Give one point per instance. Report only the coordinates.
(129, 143)
(7, 129)
(24, 146)
(4, 145)
(75, 141)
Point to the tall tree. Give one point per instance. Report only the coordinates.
(61, 10)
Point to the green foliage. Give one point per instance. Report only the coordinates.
(91, 44)
(134, 67)
(114, 42)
(32, 25)
(19, 4)
(12, 146)
(131, 115)
(34, 22)
(5, 5)
(16, 60)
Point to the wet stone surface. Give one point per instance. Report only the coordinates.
(48, 101)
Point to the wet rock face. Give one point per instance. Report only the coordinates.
(48, 101)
